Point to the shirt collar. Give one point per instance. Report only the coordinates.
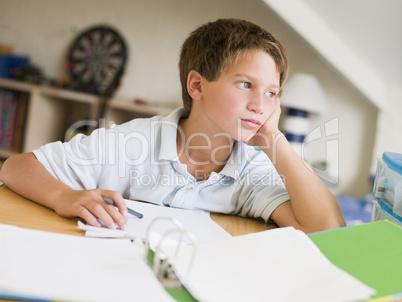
(168, 150)
(236, 162)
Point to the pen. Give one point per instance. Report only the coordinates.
(130, 211)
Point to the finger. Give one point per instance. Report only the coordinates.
(102, 212)
(88, 217)
(120, 216)
(118, 199)
(117, 217)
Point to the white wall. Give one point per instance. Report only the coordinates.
(388, 135)
(154, 31)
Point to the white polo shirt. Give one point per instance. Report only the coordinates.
(139, 159)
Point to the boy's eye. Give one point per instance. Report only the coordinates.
(245, 85)
(270, 94)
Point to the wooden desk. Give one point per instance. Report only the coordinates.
(19, 211)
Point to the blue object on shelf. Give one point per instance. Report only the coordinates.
(388, 182)
(393, 161)
(10, 62)
(382, 210)
(387, 208)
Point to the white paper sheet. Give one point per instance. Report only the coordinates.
(275, 265)
(199, 223)
(71, 268)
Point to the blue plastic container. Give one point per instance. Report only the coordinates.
(10, 62)
(388, 187)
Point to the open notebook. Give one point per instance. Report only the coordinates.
(43, 266)
(276, 265)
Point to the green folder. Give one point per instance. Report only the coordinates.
(371, 252)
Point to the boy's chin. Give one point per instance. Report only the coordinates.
(245, 139)
(243, 136)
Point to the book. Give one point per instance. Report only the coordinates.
(19, 123)
(13, 111)
(276, 265)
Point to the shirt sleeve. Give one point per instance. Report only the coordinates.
(260, 191)
(76, 163)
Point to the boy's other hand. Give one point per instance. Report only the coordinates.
(90, 206)
(269, 132)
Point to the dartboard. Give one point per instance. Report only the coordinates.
(96, 60)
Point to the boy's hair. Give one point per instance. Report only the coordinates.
(214, 46)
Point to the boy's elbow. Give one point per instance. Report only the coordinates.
(335, 221)
(4, 171)
(332, 220)
(333, 225)
(13, 164)
(328, 224)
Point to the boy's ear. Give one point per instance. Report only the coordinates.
(194, 87)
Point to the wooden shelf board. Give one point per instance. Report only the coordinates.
(140, 108)
(71, 95)
(16, 85)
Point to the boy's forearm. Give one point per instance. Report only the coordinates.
(25, 175)
(313, 204)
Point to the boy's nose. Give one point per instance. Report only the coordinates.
(256, 104)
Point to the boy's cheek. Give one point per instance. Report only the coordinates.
(271, 108)
(270, 111)
(268, 116)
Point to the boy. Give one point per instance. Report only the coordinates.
(200, 157)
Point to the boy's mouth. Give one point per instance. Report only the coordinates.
(251, 123)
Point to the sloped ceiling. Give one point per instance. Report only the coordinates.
(372, 28)
(361, 39)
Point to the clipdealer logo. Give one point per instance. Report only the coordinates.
(327, 138)
(113, 148)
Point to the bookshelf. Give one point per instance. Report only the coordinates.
(50, 112)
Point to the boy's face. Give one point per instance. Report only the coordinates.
(241, 100)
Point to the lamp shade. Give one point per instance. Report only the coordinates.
(303, 92)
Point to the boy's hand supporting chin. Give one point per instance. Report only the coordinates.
(269, 132)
